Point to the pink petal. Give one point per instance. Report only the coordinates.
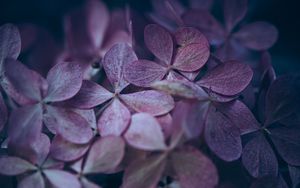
(166, 124)
(219, 97)
(258, 157)
(25, 126)
(90, 95)
(64, 81)
(257, 35)
(141, 130)
(26, 87)
(114, 120)
(62, 179)
(234, 12)
(35, 180)
(85, 29)
(89, 116)
(3, 112)
(70, 125)
(229, 78)
(66, 151)
(181, 88)
(194, 169)
(114, 61)
(159, 41)
(188, 35)
(240, 115)
(144, 173)
(105, 155)
(222, 136)
(191, 57)
(150, 101)
(207, 24)
(10, 45)
(12, 166)
(143, 72)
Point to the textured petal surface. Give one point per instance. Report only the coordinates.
(66, 151)
(143, 72)
(10, 45)
(114, 62)
(229, 78)
(25, 87)
(35, 180)
(181, 88)
(64, 81)
(3, 112)
(12, 166)
(141, 130)
(188, 35)
(105, 155)
(259, 158)
(257, 35)
(85, 30)
(240, 115)
(191, 57)
(222, 136)
(287, 143)
(114, 119)
(159, 41)
(150, 101)
(234, 12)
(194, 169)
(70, 125)
(90, 95)
(62, 179)
(144, 173)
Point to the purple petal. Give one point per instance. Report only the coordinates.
(85, 30)
(180, 88)
(194, 169)
(287, 143)
(240, 115)
(62, 179)
(144, 173)
(10, 45)
(219, 97)
(185, 36)
(35, 180)
(114, 120)
(64, 81)
(42, 148)
(229, 78)
(12, 166)
(234, 12)
(141, 130)
(66, 151)
(90, 95)
(166, 124)
(257, 35)
(25, 126)
(222, 136)
(259, 158)
(207, 24)
(89, 116)
(143, 72)
(200, 4)
(27, 86)
(159, 41)
(114, 61)
(150, 101)
(295, 176)
(282, 98)
(105, 155)
(70, 125)
(3, 112)
(191, 57)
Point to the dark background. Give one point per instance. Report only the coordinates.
(284, 14)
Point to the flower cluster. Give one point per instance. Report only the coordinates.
(168, 98)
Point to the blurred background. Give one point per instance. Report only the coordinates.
(284, 15)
